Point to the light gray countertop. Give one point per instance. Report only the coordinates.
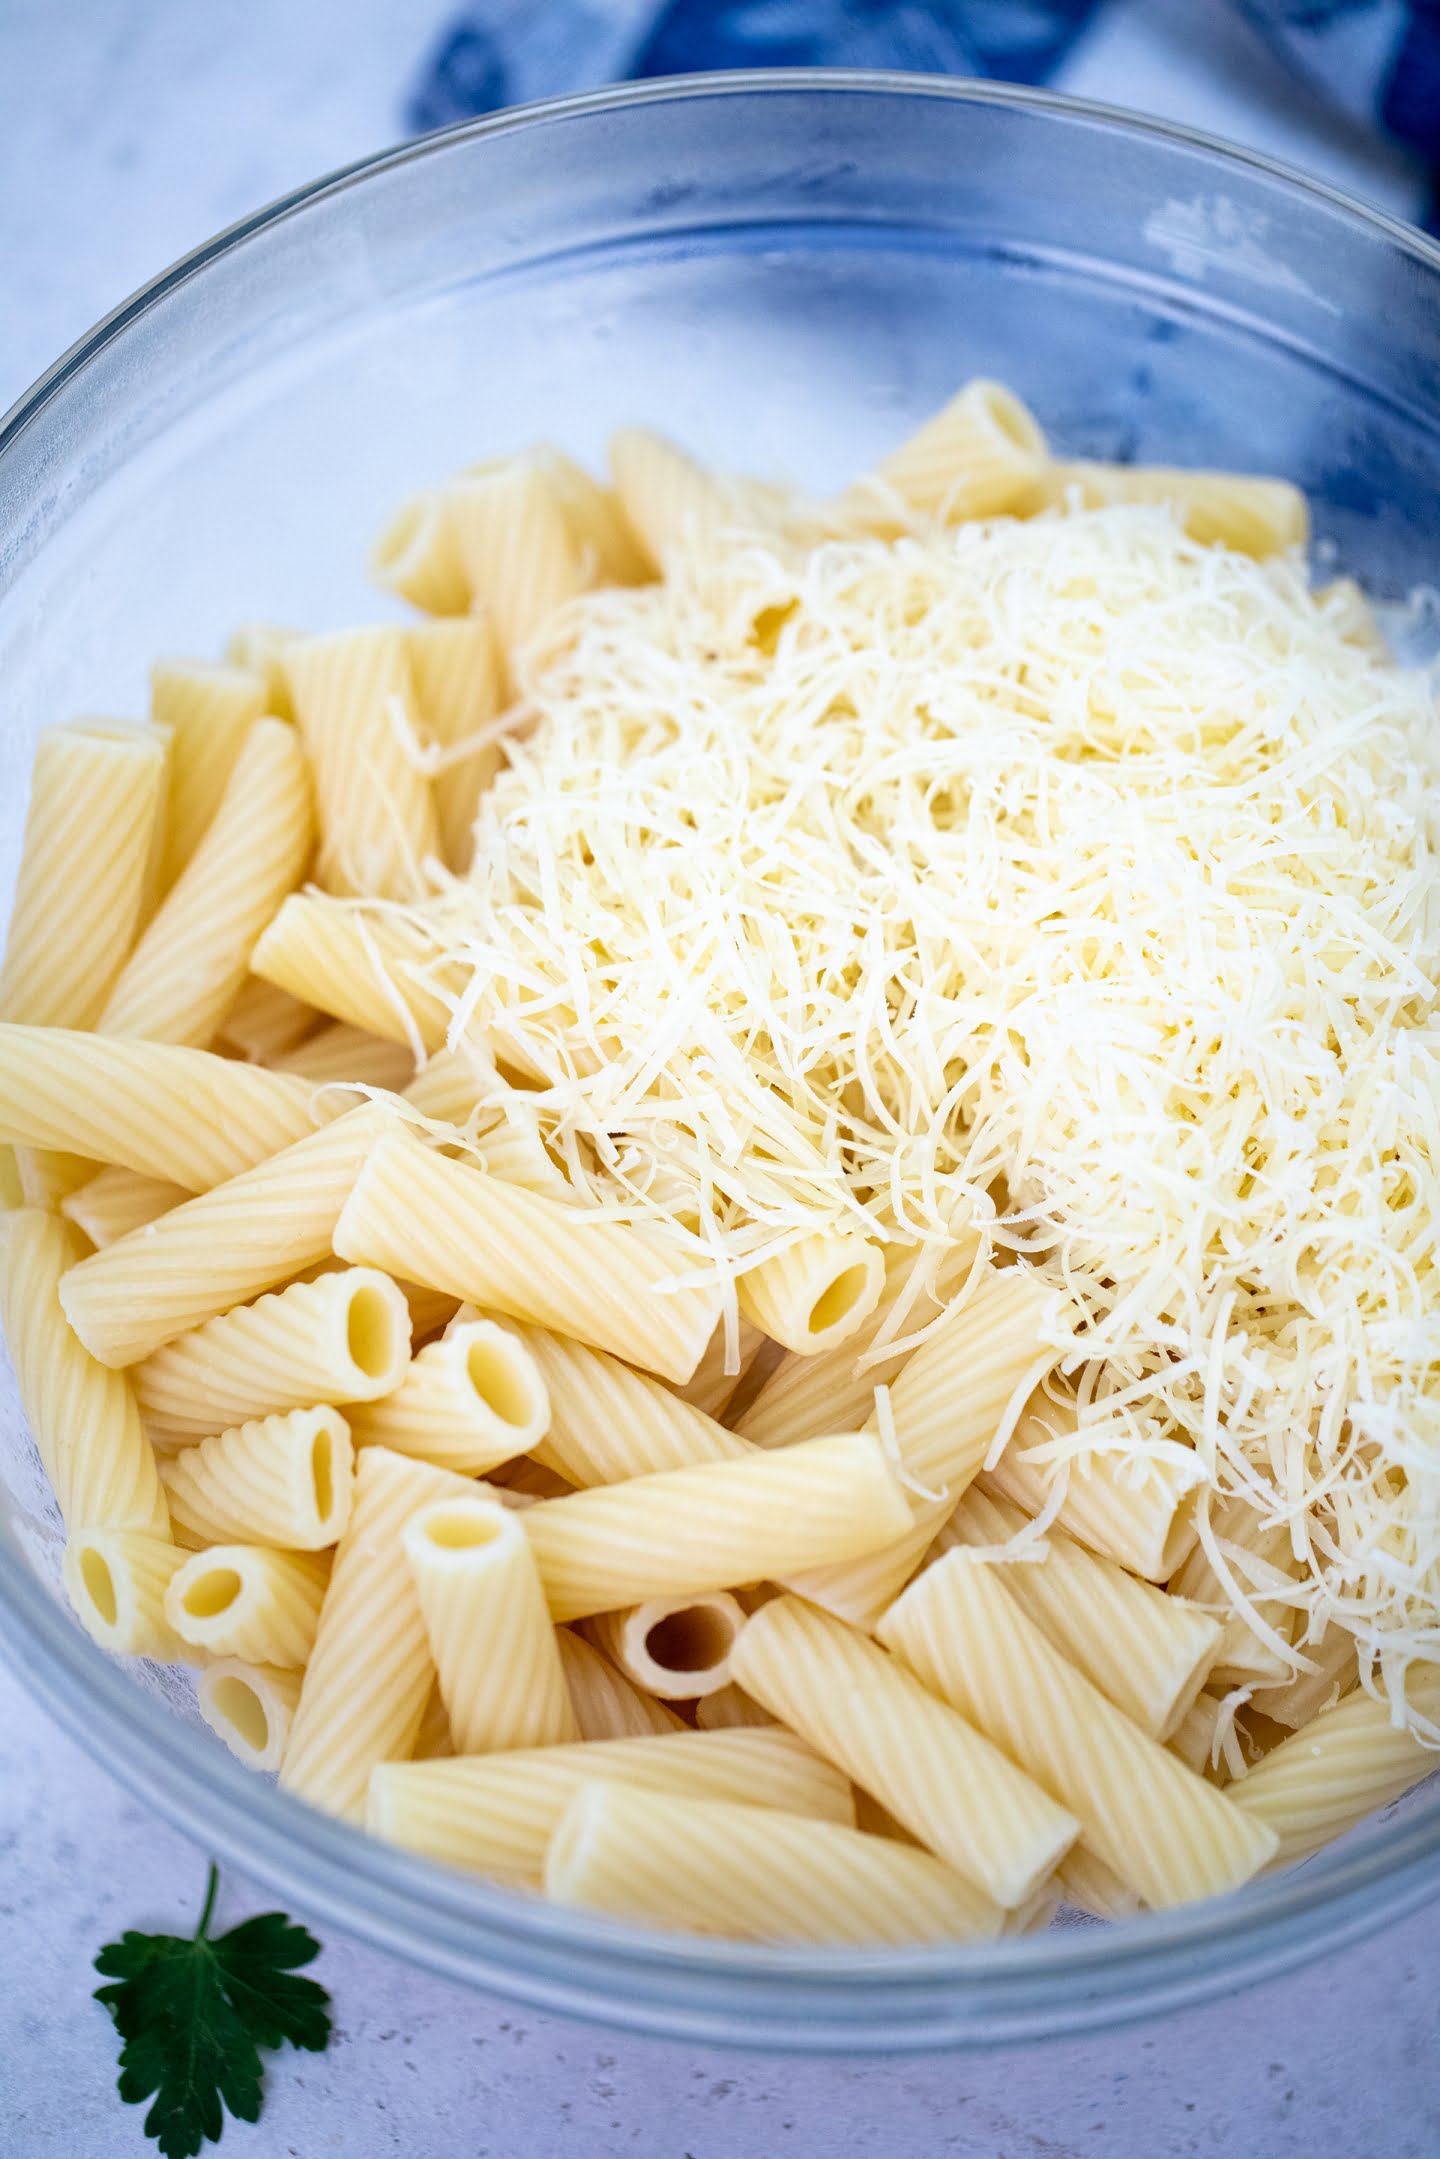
(129, 130)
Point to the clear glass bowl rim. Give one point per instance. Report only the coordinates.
(804, 2000)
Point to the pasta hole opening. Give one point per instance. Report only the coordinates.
(464, 1529)
(696, 1639)
(370, 1333)
(99, 1584)
(838, 1299)
(494, 1372)
(1011, 420)
(322, 1470)
(212, 1593)
(237, 1702)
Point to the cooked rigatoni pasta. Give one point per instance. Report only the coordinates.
(1142, 1517)
(365, 967)
(226, 1245)
(606, 1704)
(1150, 1653)
(183, 975)
(1256, 1556)
(752, 1873)
(247, 1600)
(183, 1115)
(979, 455)
(939, 1777)
(469, 1402)
(490, 1633)
(1089, 1886)
(433, 1220)
(344, 1337)
(370, 1671)
(815, 1293)
(283, 1480)
(712, 1385)
(47, 1180)
(600, 532)
(675, 1647)
(1331, 1669)
(715, 1525)
(1351, 1760)
(116, 1580)
(456, 670)
(418, 556)
(664, 495)
(259, 648)
(609, 1422)
(515, 545)
(496, 1813)
(83, 1417)
(114, 1201)
(730, 1708)
(95, 799)
(1165, 1832)
(341, 1055)
(264, 1022)
(354, 698)
(1224, 509)
(250, 1707)
(207, 710)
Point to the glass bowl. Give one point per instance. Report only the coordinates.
(786, 271)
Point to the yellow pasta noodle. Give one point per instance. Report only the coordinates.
(116, 1580)
(283, 1480)
(1257, 1556)
(435, 1221)
(367, 968)
(609, 1422)
(515, 544)
(250, 1707)
(815, 1293)
(218, 1249)
(1333, 1671)
(264, 1022)
(664, 494)
(468, 1402)
(1329, 1775)
(1144, 1519)
(418, 556)
(496, 1813)
(732, 1709)
(600, 532)
(246, 1600)
(84, 1419)
(981, 454)
(711, 1387)
(675, 1647)
(1149, 1652)
(207, 709)
(606, 1705)
(48, 1179)
(95, 798)
(192, 958)
(1090, 1886)
(259, 648)
(371, 1670)
(344, 1337)
(683, 1531)
(456, 670)
(490, 1633)
(1165, 1832)
(939, 1777)
(115, 1201)
(1228, 509)
(355, 707)
(341, 1055)
(752, 1873)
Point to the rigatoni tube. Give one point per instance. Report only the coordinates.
(284, 1480)
(815, 1293)
(468, 1402)
(1349, 1761)
(354, 699)
(675, 1647)
(247, 1600)
(609, 1422)
(250, 1707)
(606, 1704)
(116, 1581)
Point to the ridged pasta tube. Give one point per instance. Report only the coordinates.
(418, 557)
(947, 1403)
(247, 1600)
(96, 792)
(1218, 509)
(1335, 1666)
(468, 1402)
(607, 549)
(752, 1873)
(432, 1220)
(1166, 1833)
(979, 455)
(684, 1531)
(284, 1480)
(219, 1249)
(259, 647)
(344, 1337)
(457, 690)
(710, 1387)
(666, 497)
(183, 1115)
(83, 1417)
(496, 1813)
(250, 1707)
(940, 1778)
(207, 709)
(115, 1201)
(264, 1022)
(1143, 1517)
(193, 956)
(371, 1670)
(491, 1635)
(1259, 1557)
(515, 544)
(606, 1705)
(609, 1422)
(675, 1647)
(1348, 1762)
(341, 1055)
(116, 1580)
(732, 1709)
(364, 967)
(47, 1180)
(1090, 1886)
(355, 707)
(814, 1294)
(1148, 1651)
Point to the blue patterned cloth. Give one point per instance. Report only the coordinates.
(1376, 61)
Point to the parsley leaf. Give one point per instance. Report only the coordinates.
(192, 2015)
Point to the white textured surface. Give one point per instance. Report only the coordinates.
(129, 131)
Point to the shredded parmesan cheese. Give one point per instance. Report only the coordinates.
(1062, 875)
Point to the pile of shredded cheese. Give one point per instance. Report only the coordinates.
(1065, 874)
